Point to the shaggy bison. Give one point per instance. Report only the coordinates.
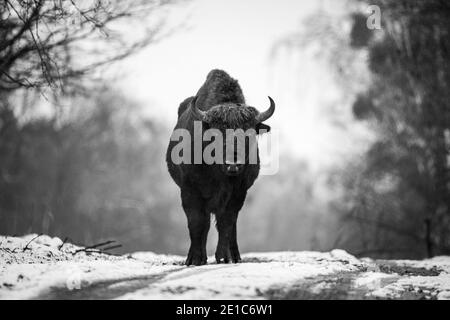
(216, 188)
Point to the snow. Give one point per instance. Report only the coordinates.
(372, 280)
(25, 274)
(432, 287)
(241, 281)
(33, 267)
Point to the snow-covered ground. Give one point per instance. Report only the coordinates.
(42, 267)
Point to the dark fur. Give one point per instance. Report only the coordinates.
(205, 189)
(219, 88)
(231, 116)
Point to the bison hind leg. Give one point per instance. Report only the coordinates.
(234, 249)
(223, 255)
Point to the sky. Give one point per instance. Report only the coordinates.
(238, 36)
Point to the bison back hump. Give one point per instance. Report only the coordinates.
(219, 88)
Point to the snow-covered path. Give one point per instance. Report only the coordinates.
(42, 269)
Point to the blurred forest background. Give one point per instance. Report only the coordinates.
(79, 159)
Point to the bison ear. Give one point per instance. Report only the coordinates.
(262, 127)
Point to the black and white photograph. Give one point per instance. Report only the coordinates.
(235, 152)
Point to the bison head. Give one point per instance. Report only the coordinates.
(240, 118)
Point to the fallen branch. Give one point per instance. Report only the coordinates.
(26, 247)
(111, 247)
(64, 242)
(94, 247)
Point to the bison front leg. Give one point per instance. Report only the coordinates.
(198, 224)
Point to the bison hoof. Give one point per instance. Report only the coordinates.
(222, 260)
(236, 259)
(196, 259)
(223, 256)
(235, 256)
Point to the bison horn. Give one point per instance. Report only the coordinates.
(263, 116)
(198, 114)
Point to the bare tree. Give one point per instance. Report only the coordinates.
(51, 43)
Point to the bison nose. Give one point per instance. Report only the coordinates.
(232, 168)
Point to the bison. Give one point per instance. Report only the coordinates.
(217, 188)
